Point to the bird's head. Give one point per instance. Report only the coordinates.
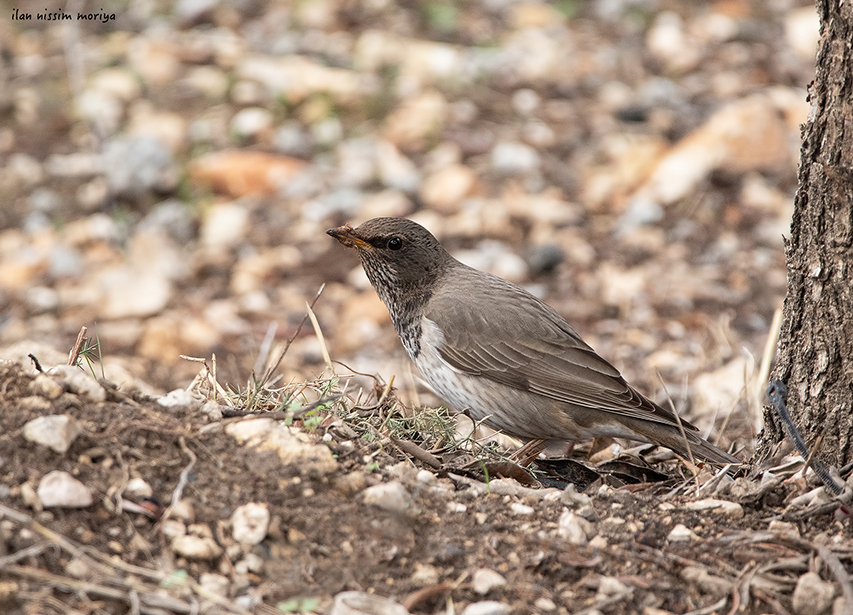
(398, 255)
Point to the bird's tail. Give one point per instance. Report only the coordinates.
(670, 436)
(701, 448)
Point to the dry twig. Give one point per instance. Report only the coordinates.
(78, 347)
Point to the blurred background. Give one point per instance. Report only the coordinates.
(168, 170)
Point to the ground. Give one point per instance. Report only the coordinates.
(325, 537)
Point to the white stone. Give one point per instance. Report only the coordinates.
(119, 82)
(721, 507)
(56, 431)
(92, 229)
(25, 169)
(196, 547)
(210, 81)
(416, 119)
(184, 510)
(212, 410)
(43, 299)
(214, 583)
(101, 108)
(251, 563)
(445, 189)
(327, 131)
(78, 382)
(61, 490)
(496, 258)
(426, 477)
(598, 542)
(812, 595)
(78, 164)
(356, 166)
(609, 587)
(802, 32)
(396, 170)
(250, 522)
(784, 528)
(78, 568)
(135, 165)
(681, 533)
(169, 129)
(29, 497)
(525, 101)
(570, 496)
(251, 122)
(424, 574)
(177, 399)
(487, 607)
(393, 203)
(721, 388)
(246, 92)
(392, 496)
(513, 157)
(575, 528)
(296, 77)
(134, 293)
(485, 580)
(138, 488)
(45, 386)
(360, 603)
(225, 225)
(292, 445)
(173, 528)
(517, 508)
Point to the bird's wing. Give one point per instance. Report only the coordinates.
(525, 344)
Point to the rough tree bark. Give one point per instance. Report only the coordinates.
(815, 353)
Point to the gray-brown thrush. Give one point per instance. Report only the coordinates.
(488, 346)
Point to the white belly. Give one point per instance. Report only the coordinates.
(513, 411)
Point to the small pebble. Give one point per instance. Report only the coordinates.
(512, 157)
(196, 547)
(392, 496)
(56, 431)
(78, 382)
(485, 580)
(521, 509)
(251, 122)
(721, 507)
(812, 595)
(138, 488)
(214, 583)
(178, 399)
(61, 490)
(574, 528)
(250, 522)
(486, 607)
(44, 386)
(360, 603)
(681, 533)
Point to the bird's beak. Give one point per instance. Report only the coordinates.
(346, 235)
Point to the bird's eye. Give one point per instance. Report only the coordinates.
(395, 243)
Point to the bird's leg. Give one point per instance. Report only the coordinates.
(525, 455)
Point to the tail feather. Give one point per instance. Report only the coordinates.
(672, 437)
(701, 448)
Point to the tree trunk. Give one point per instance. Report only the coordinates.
(815, 355)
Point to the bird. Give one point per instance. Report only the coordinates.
(492, 349)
